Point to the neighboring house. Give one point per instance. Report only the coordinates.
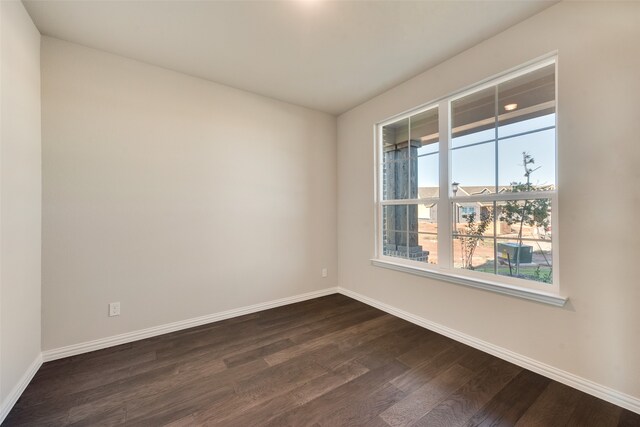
(477, 208)
(429, 211)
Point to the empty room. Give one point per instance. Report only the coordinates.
(319, 213)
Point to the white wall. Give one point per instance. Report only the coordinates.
(597, 335)
(176, 196)
(20, 197)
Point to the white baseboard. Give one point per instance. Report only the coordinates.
(610, 395)
(85, 347)
(18, 389)
(605, 393)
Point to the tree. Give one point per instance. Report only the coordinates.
(473, 234)
(534, 213)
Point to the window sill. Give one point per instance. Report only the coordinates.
(530, 294)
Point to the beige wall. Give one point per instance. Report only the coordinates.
(597, 335)
(20, 196)
(176, 196)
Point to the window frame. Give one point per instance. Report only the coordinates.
(444, 269)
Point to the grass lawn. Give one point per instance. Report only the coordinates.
(526, 272)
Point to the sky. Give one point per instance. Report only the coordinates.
(475, 165)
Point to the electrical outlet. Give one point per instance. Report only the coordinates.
(325, 272)
(114, 309)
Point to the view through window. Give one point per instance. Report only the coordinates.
(491, 174)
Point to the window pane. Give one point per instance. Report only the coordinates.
(524, 246)
(428, 218)
(529, 260)
(473, 118)
(537, 150)
(473, 169)
(526, 125)
(473, 236)
(396, 161)
(394, 217)
(395, 133)
(424, 135)
(430, 148)
(400, 232)
(471, 252)
(394, 230)
(526, 97)
(424, 129)
(473, 217)
(486, 135)
(428, 175)
(428, 245)
(394, 182)
(533, 217)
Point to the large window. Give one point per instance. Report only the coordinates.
(467, 185)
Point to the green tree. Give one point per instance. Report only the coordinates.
(473, 234)
(534, 213)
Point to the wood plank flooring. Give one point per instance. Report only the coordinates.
(331, 361)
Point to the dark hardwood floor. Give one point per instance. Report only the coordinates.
(331, 361)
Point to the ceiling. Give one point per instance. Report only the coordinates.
(325, 55)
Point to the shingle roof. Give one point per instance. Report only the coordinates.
(469, 190)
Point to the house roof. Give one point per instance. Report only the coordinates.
(471, 190)
(427, 192)
(480, 189)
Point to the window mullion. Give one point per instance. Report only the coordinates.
(497, 179)
(444, 203)
(407, 238)
(379, 160)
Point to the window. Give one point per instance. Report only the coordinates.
(478, 199)
(467, 210)
(410, 158)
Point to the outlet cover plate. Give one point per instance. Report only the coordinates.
(114, 309)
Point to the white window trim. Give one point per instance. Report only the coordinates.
(531, 290)
(501, 288)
